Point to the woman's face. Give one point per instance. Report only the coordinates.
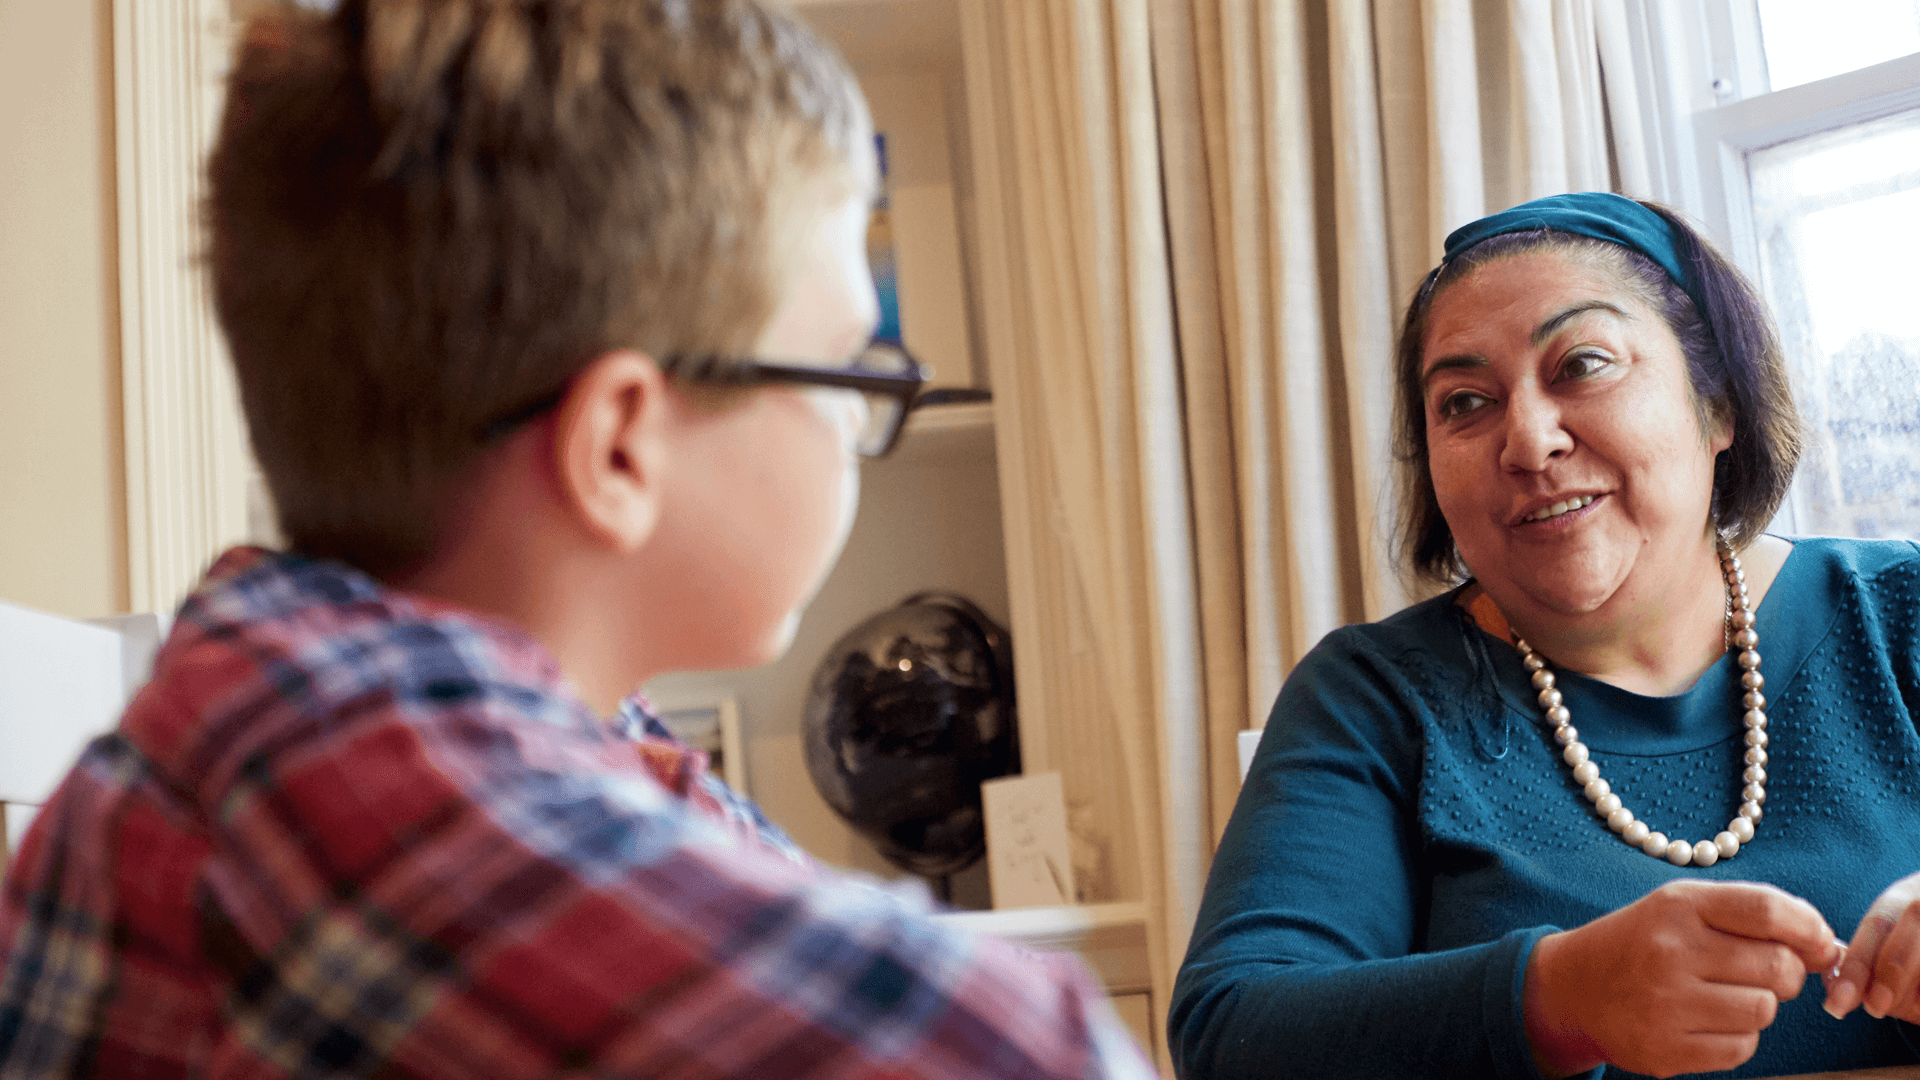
(1564, 445)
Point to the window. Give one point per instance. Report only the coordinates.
(1795, 128)
(1805, 42)
(1827, 212)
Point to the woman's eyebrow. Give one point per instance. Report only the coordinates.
(1546, 329)
(1449, 363)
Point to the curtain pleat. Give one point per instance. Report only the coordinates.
(1364, 290)
(1456, 154)
(1625, 108)
(1088, 386)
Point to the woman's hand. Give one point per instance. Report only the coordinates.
(1682, 980)
(1882, 965)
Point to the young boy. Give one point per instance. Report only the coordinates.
(491, 272)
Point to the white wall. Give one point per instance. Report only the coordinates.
(62, 499)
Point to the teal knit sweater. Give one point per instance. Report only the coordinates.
(1407, 830)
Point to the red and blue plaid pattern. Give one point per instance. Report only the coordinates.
(347, 832)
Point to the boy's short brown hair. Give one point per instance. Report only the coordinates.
(426, 214)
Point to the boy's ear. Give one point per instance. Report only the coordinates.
(609, 443)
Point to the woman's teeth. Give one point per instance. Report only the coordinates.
(1559, 508)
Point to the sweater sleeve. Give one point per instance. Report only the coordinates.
(1304, 960)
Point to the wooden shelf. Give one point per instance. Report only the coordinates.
(944, 433)
(1111, 938)
(971, 416)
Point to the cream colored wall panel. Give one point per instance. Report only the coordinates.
(62, 494)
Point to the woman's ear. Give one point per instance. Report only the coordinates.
(609, 448)
(1720, 429)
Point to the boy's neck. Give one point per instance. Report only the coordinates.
(492, 589)
(511, 558)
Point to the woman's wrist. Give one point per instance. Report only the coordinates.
(1560, 1046)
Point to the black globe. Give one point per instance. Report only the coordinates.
(909, 712)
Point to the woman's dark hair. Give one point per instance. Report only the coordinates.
(1736, 371)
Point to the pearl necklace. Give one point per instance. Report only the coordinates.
(1587, 774)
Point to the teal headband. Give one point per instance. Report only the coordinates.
(1599, 214)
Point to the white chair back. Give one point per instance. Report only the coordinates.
(1249, 742)
(62, 682)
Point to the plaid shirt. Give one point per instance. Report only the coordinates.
(352, 832)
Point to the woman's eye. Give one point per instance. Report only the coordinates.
(1582, 364)
(1460, 403)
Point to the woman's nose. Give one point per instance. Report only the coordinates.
(1536, 432)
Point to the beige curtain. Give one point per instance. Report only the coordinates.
(1197, 221)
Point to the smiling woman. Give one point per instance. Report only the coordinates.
(1594, 431)
(1575, 391)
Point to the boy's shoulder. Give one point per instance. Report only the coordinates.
(274, 651)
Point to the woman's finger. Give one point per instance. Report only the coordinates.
(1764, 913)
(1711, 1052)
(1710, 1028)
(1856, 972)
(1896, 969)
(1767, 965)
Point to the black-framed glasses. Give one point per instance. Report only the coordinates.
(887, 377)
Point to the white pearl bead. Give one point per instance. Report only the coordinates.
(1655, 844)
(1636, 833)
(1543, 679)
(1549, 698)
(1750, 811)
(1754, 775)
(1752, 680)
(1755, 718)
(1607, 804)
(1757, 738)
(1756, 756)
(1575, 753)
(1619, 818)
(1679, 853)
(1586, 772)
(1728, 844)
(1532, 662)
(1740, 829)
(1755, 793)
(1749, 658)
(1558, 714)
(1705, 853)
(1566, 735)
(1598, 788)
(1754, 699)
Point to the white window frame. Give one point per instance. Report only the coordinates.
(1709, 108)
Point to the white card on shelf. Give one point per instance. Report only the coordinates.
(1029, 861)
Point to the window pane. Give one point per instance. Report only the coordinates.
(1814, 39)
(1838, 219)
